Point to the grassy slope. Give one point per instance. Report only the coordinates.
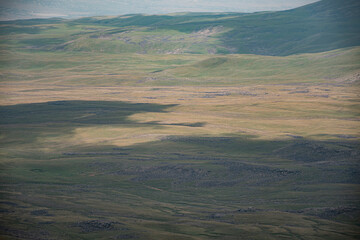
(239, 69)
(170, 70)
(321, 26)
(318, 27)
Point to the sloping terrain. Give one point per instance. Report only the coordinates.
(104, 69)
(321, 26)
(239, 69)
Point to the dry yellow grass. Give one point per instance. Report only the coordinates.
(265, 111)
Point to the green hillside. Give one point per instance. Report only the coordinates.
(82, 68)
(321, 26)
(318, 27)
(253, 69)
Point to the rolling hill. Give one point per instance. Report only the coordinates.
(25, 9)
(318, 27)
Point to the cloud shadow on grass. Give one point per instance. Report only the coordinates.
(76, 112)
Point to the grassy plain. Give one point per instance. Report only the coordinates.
(96, 147)
(102, 141)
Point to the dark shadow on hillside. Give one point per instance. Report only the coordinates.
(76, 112)
(26, 122)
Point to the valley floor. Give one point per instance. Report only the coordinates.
(257, 161)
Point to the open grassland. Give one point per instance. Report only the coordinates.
(316, 111)
(102, 141)
(131, 161)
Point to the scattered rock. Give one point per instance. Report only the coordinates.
(95, 225)
(307, 151)
(247, 210)
(41, 212)
(331, 212)
(245, 93)
(345, 136)
(350, 78)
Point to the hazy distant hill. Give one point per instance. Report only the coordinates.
(321, 26)
(26, 9)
